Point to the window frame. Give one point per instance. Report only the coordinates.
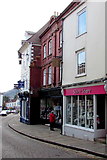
(50, 47)
(44, 77)
(44, 51)
(78, 14)
(60, 39)
(77, 54)
(49, 75)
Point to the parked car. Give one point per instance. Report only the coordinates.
(3, 113)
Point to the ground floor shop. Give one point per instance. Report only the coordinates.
(51, 99)
(85, 112)
(29, 108)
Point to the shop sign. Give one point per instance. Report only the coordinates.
(85, 90)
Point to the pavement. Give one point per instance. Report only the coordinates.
(42, 133)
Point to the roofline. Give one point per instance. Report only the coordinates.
(73, 3)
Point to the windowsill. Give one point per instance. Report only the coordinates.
(60, 48)
(44, 58)
(49, 55)
(77, 36)
(80, 75)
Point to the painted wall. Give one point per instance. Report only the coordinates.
(93, 42)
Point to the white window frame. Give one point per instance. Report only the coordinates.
(49, 75)
(77, 53)
(44, 77)
(60, 39)
(50, 47)
(78, 15)
(44, 51)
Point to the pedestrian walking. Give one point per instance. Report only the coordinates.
(52, 120)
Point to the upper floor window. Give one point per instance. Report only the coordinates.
(81, 62)
(49, 75)
(50, 47)
(44, 77)
(60, 39)
(44, 51)
(82, 22)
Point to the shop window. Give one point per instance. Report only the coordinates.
(80, 113)
(68, 110)
(75, 111)
(43, 109)
(89, 112)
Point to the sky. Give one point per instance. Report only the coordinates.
(16, 17)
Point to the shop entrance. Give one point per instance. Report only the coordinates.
(100, 111)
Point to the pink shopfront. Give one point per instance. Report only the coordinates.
(85, 112)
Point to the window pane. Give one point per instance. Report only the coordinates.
(75, 111)
(89, 112)
(50, 47)
(44, 77)
(44, 51)
(49, 75)
(82, 23)
(82, 111)
(81, 62)
(68, 110)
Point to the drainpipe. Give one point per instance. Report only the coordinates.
(61, 81)
(55, 67)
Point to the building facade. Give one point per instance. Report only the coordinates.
(85, 71)
(1, 101)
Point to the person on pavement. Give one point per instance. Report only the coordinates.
(52, 120)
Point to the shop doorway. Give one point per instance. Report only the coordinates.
(100, 111)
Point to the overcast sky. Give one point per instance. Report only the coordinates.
(16, 17)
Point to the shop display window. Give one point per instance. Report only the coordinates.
(81, 111)
(89, 112)
(68, 110)
(75, 111)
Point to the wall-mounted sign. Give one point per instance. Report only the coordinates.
(85, 90)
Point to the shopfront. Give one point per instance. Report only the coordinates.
(85, 111)
(51, 99)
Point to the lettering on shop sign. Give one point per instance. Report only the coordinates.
(82, 91)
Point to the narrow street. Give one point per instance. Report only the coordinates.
(15, 145)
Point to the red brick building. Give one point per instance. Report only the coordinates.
(46, 71)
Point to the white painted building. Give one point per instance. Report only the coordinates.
(25, 57)
(1, 101)
(13, 104)
(85, 71)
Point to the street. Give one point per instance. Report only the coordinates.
(15, 145)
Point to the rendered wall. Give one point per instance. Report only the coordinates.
(93, 42)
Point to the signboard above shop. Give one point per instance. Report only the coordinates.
(91, 90)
